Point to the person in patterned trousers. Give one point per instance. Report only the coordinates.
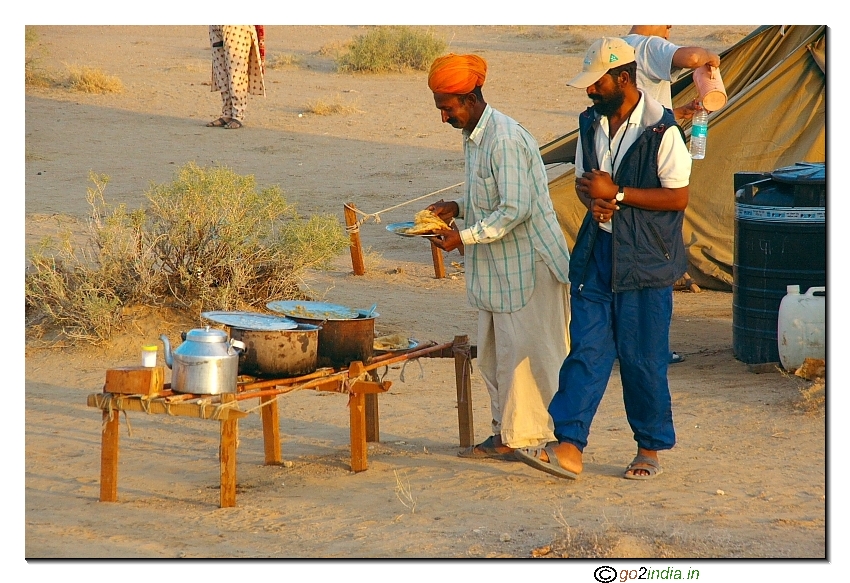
(238, 54)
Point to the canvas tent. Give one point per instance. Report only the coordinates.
(775, 117)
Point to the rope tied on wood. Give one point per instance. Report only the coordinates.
(110, 403)
(355, 228)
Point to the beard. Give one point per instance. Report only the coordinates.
(610, 104)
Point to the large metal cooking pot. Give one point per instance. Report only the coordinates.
(206, 363)
(278, 353)
(341, 342)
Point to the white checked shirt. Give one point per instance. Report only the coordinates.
(509, 218)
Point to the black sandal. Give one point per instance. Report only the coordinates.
(218, 123)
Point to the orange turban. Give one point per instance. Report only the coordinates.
(457, 74)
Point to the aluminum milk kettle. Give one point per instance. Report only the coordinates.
(205, 364)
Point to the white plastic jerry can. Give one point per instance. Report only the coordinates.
(802, 326)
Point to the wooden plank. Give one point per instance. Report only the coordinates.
(227, 457)
(439, 265)
(159, 406)
(463, 374)
(109, 457)
(271, 383)
(370, 388)
(410, 355)
(271, 430)
(358, 264)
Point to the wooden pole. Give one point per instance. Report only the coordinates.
(109, 457)
(463, 372)
(227, 457)
(271, 430)
(357, 261)
(439, 266)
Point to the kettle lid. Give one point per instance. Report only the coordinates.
(206, 334)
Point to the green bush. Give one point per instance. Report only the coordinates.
(207, 241)
(391, 48)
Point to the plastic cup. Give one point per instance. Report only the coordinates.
(149, 356)
(710, 86)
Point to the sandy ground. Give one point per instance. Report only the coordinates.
(746, 479)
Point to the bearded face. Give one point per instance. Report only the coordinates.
(607, 95)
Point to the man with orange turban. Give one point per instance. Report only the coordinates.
(516, 259)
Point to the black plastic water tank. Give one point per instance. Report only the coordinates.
(780, 240)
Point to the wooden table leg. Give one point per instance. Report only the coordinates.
(463, 374)
(373, 432)
(357, 407)
(271, 430)
(109, 457)
(357, 422)
(227, 456)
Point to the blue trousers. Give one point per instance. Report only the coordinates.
(632, 326)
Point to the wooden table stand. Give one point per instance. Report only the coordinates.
(360, 381)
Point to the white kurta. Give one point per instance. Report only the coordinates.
(520, 355)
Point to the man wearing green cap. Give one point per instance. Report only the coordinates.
(632, 174)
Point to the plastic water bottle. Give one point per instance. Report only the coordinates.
(699, 133)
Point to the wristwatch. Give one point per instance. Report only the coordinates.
(621, 194)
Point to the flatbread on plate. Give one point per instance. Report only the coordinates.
(426, 222)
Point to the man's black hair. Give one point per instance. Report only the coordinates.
(630, 68)
(477, 92)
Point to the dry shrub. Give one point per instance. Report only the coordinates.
(34, 75)
(334, 107)
(90, 80)
(809, 379)
(391, 48)
(207, 241)
(62, 292)
(280, 61)
(725, 38)
(575, 42)
(813, 397)
(577, 544)
(538, 32)
(333, 49)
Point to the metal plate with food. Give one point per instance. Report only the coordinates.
(251, 320)
(402, 228)
(313, 310)
(395, 343)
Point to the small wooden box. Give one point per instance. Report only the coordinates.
(135, 380)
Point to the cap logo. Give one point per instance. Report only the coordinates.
(613, 58)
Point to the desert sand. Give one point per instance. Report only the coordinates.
(747, 478)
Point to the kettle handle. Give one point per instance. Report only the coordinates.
(238, 345)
